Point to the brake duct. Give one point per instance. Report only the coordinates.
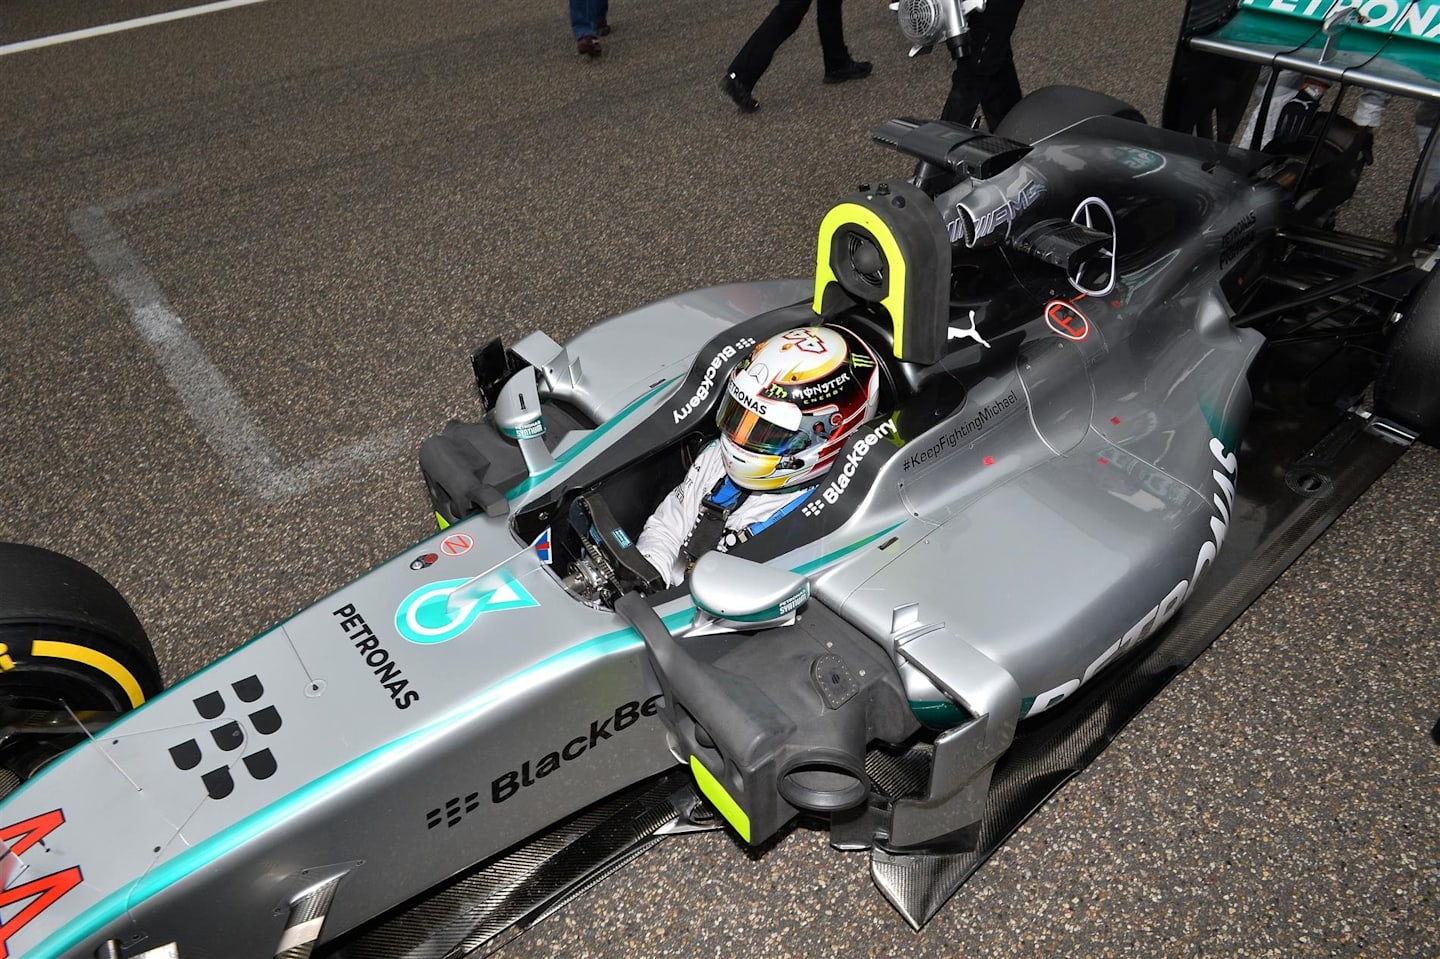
(779, 722)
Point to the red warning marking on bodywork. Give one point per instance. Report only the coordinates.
(1066, 320)
(456, 544)
(40, 893)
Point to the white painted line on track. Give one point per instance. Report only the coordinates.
(151, 20)
(223, 420)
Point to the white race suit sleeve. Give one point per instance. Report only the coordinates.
(667, 528)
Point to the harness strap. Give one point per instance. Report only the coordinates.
(709, 528)
(780, 513)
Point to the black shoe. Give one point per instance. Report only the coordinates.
(603, 28)
(854, 70)
(588, 46)
(740, 93)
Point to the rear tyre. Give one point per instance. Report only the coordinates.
(69, 643)
(1407, 391)
(1051, 109)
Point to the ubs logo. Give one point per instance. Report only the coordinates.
(230, 735)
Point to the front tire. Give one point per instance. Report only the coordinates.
(69, 644)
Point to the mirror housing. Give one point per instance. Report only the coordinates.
(518, 416)
(741, 594)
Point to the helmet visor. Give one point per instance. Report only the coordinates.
(753, 432)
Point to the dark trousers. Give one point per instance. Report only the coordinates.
(754, 58)
(985, 77)
(586, 16)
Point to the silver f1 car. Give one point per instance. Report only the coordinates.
(1078, 317)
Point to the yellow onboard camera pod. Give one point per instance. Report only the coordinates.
(888, 246)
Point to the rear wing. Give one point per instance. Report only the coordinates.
(1227, 48)
(1388, 45)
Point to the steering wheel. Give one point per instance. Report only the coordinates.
(610, 548)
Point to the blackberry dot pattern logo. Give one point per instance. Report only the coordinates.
(453, 811)
(230, 737)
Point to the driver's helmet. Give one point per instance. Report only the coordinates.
(789, 408)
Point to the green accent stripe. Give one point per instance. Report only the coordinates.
(937, 713)
(196, 858)
(804, 569)
(586, 441)
(1214, 416)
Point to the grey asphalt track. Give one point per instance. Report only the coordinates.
(243, 257)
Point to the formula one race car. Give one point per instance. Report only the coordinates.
(1087, 327)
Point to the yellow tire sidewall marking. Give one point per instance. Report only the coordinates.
(123, 678)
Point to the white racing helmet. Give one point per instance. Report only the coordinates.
(789, 408)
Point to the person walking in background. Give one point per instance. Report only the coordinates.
(984, 78)
(588, 22)
(755, 56)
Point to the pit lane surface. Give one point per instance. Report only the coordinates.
(245, 255)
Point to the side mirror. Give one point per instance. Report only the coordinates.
(739, 594)
(518, 416)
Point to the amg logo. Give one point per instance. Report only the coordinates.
(1007, 212)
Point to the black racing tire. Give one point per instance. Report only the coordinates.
(1407, 389)
(1050, 109)
(68, 641)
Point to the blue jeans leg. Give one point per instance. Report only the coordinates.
(582, 17)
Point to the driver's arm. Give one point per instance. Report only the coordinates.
(666, 529)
